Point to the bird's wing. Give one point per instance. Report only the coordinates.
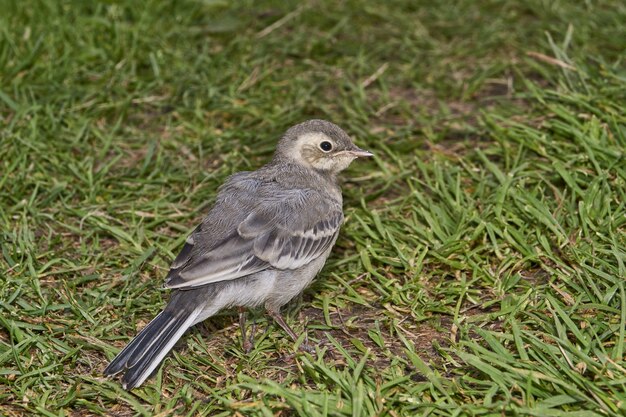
(293, 230)
(283, 229)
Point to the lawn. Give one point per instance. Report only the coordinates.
(481, 268)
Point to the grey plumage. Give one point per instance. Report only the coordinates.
(267, 236)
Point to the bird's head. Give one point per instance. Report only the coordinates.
(319, 144)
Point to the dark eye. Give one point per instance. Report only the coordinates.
(326, 146)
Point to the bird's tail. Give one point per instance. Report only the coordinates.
(144, 353)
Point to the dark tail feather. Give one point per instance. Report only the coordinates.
(148, 333)
(144, 353)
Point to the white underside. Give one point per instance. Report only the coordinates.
(241, 293)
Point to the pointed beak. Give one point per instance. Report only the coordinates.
(358, 152)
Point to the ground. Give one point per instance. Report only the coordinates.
(481, 267)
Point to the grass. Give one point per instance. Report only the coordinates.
(481, 268)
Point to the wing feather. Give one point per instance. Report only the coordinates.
(285, 230)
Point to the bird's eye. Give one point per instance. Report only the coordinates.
(326, 146)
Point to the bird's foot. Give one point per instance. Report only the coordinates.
(248, 343)
(307, 347)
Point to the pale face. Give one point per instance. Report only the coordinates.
(321, 152)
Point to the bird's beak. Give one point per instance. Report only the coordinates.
(358, 152)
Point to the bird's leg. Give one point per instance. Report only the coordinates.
(246, 344)
(281, 322)
(252, 331)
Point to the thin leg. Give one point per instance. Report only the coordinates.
(281, 322)
(252, 332)
(246, 343)
(279, 319)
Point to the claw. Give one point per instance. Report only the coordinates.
(305, 347)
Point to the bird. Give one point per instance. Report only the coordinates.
(262, 243)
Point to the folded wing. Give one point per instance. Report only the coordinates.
(272, 228)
